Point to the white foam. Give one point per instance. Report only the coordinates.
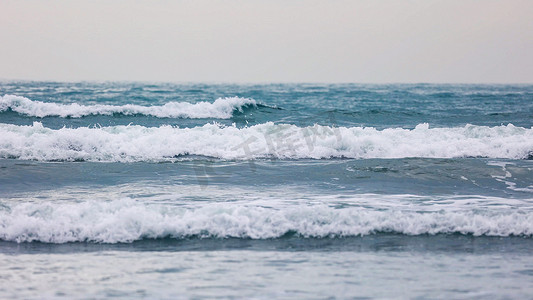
(269, 140)
(507, 177)
(127, 220)
(222, 108)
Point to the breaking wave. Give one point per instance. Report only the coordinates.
(222, 108)
(127, 221)
(268, 140)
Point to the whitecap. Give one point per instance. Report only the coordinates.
(268, 140)
(127, 220)
(221, 108)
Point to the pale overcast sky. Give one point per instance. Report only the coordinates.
(268, 41)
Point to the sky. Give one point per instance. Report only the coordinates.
(377, 41)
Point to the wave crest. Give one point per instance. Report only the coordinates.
(222, 108)
(127, 221)
(268, 140)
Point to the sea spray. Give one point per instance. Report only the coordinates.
(221, 108)
(268, 140)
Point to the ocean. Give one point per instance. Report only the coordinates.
(315, 191)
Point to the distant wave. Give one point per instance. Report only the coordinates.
(222, 108)
(127, 221)
(268, 140)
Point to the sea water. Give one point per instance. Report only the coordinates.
(148, 190)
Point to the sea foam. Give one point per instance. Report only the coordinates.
(268, 140)
(222, 108)
(127, 220)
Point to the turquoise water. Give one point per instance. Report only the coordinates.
(279, 190)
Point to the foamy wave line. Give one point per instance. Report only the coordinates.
(222, 108)
(268, 140)
(126, 221)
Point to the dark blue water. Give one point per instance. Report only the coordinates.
(279, 190)
(380, 106)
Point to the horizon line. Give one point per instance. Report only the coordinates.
(213, 82)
